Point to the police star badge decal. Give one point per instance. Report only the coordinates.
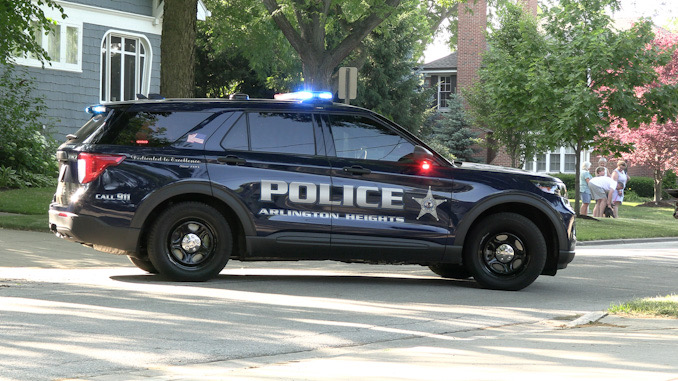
(428, 205)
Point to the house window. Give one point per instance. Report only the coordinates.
(445, 90)
(62, 42)
(563, 160)
(125, 67)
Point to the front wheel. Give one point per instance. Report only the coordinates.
(190, 241)
(505, 251)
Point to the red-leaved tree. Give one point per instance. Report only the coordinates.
(655, 145)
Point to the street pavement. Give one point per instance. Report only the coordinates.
(69, 312)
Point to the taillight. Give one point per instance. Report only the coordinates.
(425, 165)
(91, 165)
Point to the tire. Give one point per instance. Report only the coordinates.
(447, 270)
(505, 251)
(190, 241)
(143, 264)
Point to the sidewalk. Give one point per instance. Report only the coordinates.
(613, 348)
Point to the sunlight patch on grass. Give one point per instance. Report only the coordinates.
(661, 306)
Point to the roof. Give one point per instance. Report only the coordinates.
(445, 63)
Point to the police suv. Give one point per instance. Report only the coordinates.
(182, 186)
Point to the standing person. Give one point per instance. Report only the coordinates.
(620, 174)
(584, 190)
(602, 162)
(602, 190)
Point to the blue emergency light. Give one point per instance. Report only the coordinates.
(96, 109)
(304, 96)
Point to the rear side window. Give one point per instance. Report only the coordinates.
(151, 129)
(276, 132)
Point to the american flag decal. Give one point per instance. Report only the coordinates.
(196, 138)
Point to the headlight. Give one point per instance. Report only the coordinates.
(553, 187)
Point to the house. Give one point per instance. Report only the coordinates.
(459, 69)
(103, 51)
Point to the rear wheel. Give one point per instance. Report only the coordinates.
(447, 270)
(190, 241)
(506, 251)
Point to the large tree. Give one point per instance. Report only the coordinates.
(654, 144)
(585, 77)
(324, 32)
(18, 18)
(177, 48)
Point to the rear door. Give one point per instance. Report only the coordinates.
(388, 207)
(275, 163)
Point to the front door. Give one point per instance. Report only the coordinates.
(386, 205)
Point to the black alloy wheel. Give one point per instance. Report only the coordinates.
(190, 241)
(505, 251)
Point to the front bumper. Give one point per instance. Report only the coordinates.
(92, 232)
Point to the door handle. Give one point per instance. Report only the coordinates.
(231, 160)
(357, 170)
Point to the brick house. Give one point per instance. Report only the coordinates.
(459, 70)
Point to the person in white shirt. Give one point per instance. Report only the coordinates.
(602, 190)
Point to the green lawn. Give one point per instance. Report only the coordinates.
(633, 222)
(666, 306)
(30, 204)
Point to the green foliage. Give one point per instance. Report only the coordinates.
(16, 18)
(642, 186)
(670, 180)
(452, 130)
(387, 82)
(26, 148)
(568, 179)
(513, 78)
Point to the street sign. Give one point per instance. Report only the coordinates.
(348, 83)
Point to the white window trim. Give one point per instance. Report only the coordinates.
(148, 62)
(562, 151)
(57, 65)
(440, 108)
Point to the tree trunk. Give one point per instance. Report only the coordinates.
(658, 176)
(577, 177)
(177, 49)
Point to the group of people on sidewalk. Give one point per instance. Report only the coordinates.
(607, 189)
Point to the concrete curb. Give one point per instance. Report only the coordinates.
(627, 241)
(587, 318)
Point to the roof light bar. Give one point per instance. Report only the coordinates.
(304, 96)
(96, 109)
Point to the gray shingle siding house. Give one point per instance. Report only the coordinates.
(103, 51)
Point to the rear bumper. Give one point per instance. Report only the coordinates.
(93, 232)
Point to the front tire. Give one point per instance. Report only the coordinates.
(190, 241)
(505, 251)
(447, 270)
(143, 264)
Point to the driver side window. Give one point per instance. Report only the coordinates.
(357, 137)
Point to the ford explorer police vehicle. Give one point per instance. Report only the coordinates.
(182, 186)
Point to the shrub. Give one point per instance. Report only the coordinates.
(568, 179)
(642, 186)
(26, 147)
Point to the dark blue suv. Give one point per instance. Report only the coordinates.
(182, 186)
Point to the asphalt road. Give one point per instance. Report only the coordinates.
(67, 311)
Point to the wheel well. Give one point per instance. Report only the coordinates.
(223, 208)
(539, 218)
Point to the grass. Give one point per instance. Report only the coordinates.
(661, 306)
(634, 222)
(30, 206)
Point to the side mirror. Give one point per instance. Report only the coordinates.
(423, 157)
